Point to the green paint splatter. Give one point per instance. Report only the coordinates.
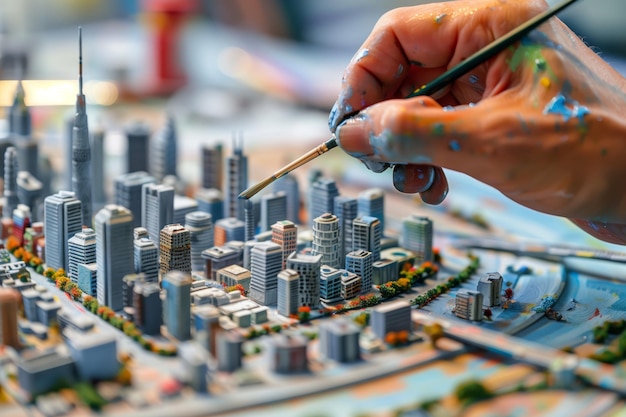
(530, 54)
(604, 151)
(438, 129)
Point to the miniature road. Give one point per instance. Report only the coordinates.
(601, 375)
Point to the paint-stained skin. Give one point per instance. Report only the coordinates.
(548, 114)
(568, 108)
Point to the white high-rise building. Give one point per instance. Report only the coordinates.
(266, 263)
(82, 250)
(366, 234)
(330, 284)
(360, 263)
(114, 253)
(417, 236)
(146, 259)
(288, 281)
(200, 226)
(63, 218)
(128, 192)
(490, 286)
(308, 266)
(327, 239)
(469, 305)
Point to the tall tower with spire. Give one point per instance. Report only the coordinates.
(81, 150)
(19, 116)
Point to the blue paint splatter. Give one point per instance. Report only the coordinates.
(593, 226)
(340, 109)
(567, 108)
(361, 54)
(473, 79)
(448, 108)
(454, 146)
(397, 148)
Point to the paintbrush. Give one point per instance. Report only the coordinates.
(432, 87)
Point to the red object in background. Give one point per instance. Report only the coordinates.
(166, 18)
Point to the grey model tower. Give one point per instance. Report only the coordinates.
(236, 182)
(10, 182)
(62, 220)
(165, 151)
(97, 168)
(212, 166)
(81, 150)
(114, 253)
(19, 116)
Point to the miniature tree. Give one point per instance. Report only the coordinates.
(304, 313)
(472, 391)
(488, 313)
(391, 338)
(434, 332)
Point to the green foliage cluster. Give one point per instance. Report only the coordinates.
(423, 299)
(407, 279)
(601, 334)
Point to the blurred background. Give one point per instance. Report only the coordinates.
(268, 69)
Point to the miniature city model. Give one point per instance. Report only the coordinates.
(235, 306)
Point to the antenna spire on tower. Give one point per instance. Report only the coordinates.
(80, 60)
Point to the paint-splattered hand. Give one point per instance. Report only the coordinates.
(545, 127)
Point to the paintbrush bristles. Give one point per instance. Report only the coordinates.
(252, 191)
(307, 157)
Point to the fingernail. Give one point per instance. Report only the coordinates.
(333, 117)
(353, 136)
(375, 166)
(413, 179)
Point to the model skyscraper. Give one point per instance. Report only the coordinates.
(175, 249)
(82, 250)
(165, 151)
(345, 208)
(417, 236)
(114, 253)
(285, 233)
(146, 259)
(200, 226)
(366, 234)
(177, 304)
(372, 203)
(273, 209)
(360, 263)
(19, 116)
(326, 239)
(289, 185)
(81, 150)
(236, 182)
(128, 192)
(10, 182)
(62, 220)
(322, 197)
(138, 139)
(308, 266)
(266, 263)
(157, 209)
(212, 166)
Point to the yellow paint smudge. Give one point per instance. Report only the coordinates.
(545, 81)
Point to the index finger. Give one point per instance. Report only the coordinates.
(410, 46)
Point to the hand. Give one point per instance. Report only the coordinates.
(546, 129)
